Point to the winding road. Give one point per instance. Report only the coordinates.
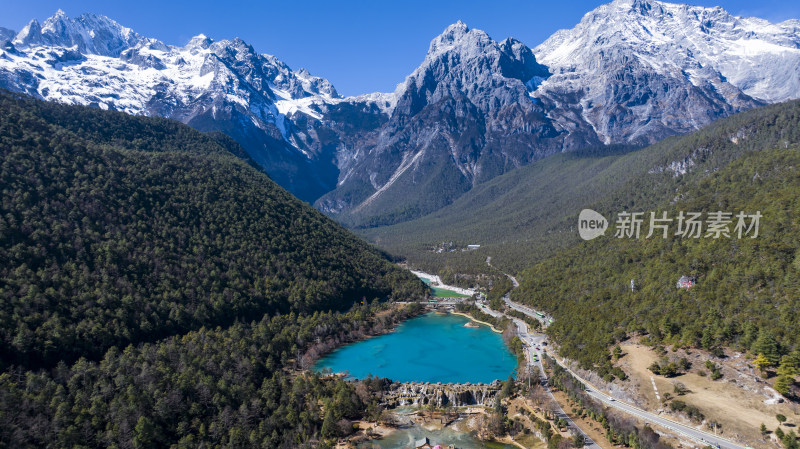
(681, 430)
(533, 341)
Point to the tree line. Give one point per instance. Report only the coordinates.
(233, 387)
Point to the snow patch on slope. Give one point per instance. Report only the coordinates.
(758, 57)
(92, 60)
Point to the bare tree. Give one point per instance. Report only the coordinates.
(551, 407)
(537, 395)
(345, 426)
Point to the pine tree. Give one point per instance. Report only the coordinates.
(508, 388)
(329, 429)
(783, 384)
(617, 352)
(144, 433)
(790, 440)
(790, 365)
(767, 346)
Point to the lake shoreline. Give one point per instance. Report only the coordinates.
(466, 315)
(351, 339)
(435, 278)
(460, 429)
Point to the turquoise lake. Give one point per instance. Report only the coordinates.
(430, 348)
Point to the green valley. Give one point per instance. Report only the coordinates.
(747, 289)
(530, 214)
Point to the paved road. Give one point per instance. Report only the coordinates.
(485, 309)
(544, 319)
(704, 438)
(513, 280)
(533, 341)
(683, 430)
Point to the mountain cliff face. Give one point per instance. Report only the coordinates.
(639, 70)
(463, 116)
(631, 72)
(6, 34)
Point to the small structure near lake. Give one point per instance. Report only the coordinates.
(686, 282)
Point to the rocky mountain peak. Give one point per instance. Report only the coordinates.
(90, 33)
(752, 55)
(201, 41)
(632, 71)
(643, 7)
(464, 61)
(213, 86)
(460, 39)
(452, 120)
(30, 32)
(59, 17)
(452, 33)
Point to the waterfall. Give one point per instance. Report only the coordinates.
(455, 395)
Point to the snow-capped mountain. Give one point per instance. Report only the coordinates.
(88, 33)
(6, 34)
(640, 70)
(463, 116)
(631, 72)
(223, 85)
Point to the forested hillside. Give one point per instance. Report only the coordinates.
(117, 229)
(747, 289)
(529, 214)
(221, 387)
(157, 290)
(518, 218)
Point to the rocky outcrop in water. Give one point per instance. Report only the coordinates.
(441, 395)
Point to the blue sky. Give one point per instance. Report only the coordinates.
(360, 46)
